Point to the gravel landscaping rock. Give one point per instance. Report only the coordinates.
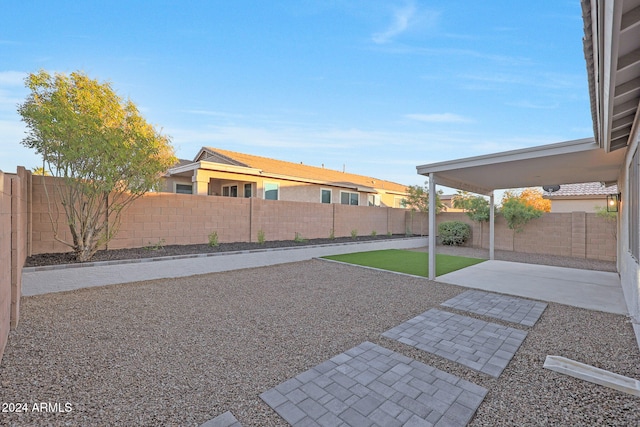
(174, 250)
(183, 351)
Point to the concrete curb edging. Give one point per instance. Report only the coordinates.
(36, 282)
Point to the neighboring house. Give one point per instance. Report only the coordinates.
(447, 201)
(218, 172)
(585, 197)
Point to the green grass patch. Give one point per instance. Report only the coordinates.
(409, 262)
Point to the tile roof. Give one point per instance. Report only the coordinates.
(585, 189)
(300, 170)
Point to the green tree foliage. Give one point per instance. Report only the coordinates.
(40, 171)
(99, 146)
(476, 207)
(454, 233)
(517, 212)
(417, 200)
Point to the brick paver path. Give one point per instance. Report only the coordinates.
(485, 347)
(370, 385)
(511, 309)
(223, 420)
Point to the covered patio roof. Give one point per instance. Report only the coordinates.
(569, 162)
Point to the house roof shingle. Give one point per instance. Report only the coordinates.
(581, 190)
(300, 170)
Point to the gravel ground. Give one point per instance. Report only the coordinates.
(172, 250)
(182, 351)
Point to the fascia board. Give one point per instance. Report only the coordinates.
(184, 168)
(510, 156)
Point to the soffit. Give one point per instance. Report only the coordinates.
(562, 163)
(612, 52)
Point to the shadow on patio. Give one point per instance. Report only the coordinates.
(583, 283)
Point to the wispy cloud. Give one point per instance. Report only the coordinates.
(546, 80)
(211, 113)
(401, 21)
(439, 118)
(404, 19)
(12, 78)
(533, 105)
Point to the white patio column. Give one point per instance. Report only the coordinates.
(432, 226)
(492, 228)
(200, 183)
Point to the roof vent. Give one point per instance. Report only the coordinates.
(550, 188)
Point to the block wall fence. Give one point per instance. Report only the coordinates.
(26, 228)
(14, 205)
(188, 219)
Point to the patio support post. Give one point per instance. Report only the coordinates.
(432, 226)
(492, 228)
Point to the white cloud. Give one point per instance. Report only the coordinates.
(401, 21)
(439, 118)
(12, 78)
(406, 18)
(533, 106)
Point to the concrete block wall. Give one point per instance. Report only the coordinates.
(188, 219)
(281, 220)
(576, 234)
(5, 260)
(600, 238)
(14, 233)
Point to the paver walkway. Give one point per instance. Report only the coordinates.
(511, 309)
(483, 346)
(223, 420)
(370, 385)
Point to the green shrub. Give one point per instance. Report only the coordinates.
(332, 235)
(374, 233)
(354, 233)
(454, 233)
(213, 239)
(155, 246)
(261, 239)
(299, 238)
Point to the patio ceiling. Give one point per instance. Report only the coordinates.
(563, 163)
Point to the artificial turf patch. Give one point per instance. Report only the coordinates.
(409, 262)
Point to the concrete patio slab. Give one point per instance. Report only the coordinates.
(593, 290)
(483, 346)
(510, 309)
(371, 385)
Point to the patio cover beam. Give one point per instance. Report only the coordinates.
(562, 163)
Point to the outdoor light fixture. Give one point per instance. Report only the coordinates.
(613, 202)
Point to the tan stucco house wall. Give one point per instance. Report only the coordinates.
(217, 172)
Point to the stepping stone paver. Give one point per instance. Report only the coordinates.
(511, 309)
(223, 420)
(370, 385)
(483, 346)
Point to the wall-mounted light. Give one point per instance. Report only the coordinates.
(613, 202)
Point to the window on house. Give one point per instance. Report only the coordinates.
(634, 210)
(184, 188)
(348, 198)
(248, 190)
(230, 190)
(325, 195)
(399, 202)
(374, 199)
(270, 191)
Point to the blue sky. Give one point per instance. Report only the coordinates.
(378, 87)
